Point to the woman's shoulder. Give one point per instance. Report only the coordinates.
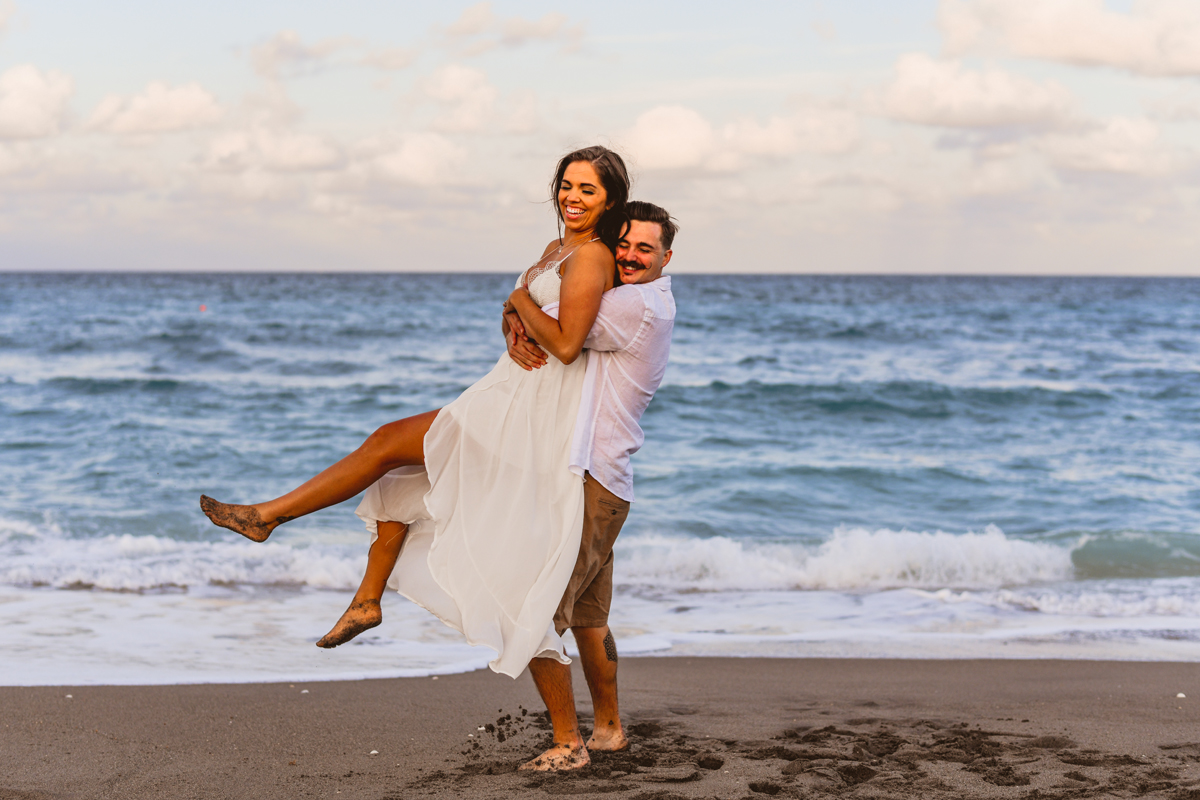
(594, 250)
(591, 261)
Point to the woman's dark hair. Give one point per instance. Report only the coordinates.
(615, 179)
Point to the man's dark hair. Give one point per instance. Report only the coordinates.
(648, 212)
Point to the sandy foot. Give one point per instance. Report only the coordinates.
(559, 758)
(240, 519)
(608, 741)
(360, 616)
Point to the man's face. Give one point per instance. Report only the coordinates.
(640, 254)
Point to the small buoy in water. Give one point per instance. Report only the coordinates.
(203, 308)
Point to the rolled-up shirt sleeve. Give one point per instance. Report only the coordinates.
(621, 313)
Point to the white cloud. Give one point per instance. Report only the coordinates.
(521, 115)
(518, 31)
(995, 178)
(1158, 37)
(12, 160)
(271, 150)
(473, 21)
(777, 138)
(676, 137)
(932, 92)
(159, 109)
(671, 137)
(424, 159)
(826, 131)
(391, 58)
(7, 10)
(825, 29)
(1122, 145)
(479, 21)
(33, 103)
(467, 95)
(1181, 107)
(285, 51)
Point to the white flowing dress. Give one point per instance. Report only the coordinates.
(496, 515)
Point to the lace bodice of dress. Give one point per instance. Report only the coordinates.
(543, 281)
(545, 286)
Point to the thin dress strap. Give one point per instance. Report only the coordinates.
(533, 272)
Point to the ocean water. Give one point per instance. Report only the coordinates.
(834, 466)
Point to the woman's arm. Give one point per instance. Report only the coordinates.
(588, 275)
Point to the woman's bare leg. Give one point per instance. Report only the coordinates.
(364, 612)
(397, 444)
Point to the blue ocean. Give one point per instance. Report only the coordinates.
(943, 467)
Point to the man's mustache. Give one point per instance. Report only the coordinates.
(630, 264)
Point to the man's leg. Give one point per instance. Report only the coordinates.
(553, 681)
(598, 654)
(364, 612)
(584, 609)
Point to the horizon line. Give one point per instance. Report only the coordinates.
(1156, 276)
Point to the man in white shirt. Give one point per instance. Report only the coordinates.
(628, 348)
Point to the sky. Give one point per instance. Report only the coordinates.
(1035, 137)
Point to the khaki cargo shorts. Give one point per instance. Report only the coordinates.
(588, 598)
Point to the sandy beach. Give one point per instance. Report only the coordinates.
(700, 728)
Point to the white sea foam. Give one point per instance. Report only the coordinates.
(43, 555)
(221, 634)
(861, 593)
(854, 558)
(1108, 599)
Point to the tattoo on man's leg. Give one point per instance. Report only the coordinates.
(610, 647)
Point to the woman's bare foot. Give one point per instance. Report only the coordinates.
(608, 740)
(362, 615)
(240, 519)
(559, 758)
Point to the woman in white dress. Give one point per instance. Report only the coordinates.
(475, 511)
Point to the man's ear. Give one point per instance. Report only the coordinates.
(666, 258)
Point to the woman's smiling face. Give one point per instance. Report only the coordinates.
(582, 199)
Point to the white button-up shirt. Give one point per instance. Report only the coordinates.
(627, 356)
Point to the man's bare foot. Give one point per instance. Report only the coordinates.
(608, 740)
(559, 758)
(360, 616)
(240, 519)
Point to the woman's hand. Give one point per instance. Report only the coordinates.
(526, 354)
(513, 326)
(521, 349)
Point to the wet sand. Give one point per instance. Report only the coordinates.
(700, 728)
